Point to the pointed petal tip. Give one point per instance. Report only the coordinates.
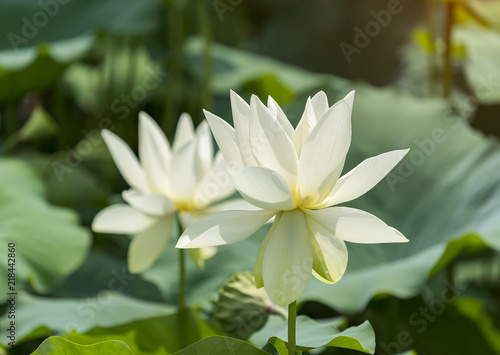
(349, 98)
(234, 94)
(143, 115)
(182, 243)
(106, 132)
(402, 238)
(255, 100)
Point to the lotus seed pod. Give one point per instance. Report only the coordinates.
(242, 308)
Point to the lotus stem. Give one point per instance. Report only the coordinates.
(292, 314)
(182, 280)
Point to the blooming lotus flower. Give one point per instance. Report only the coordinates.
(185, 179)
(293, 174)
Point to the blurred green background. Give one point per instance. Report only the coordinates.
(426, 75)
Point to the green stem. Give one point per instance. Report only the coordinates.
(182, 312)
(182, 280)
(447, 74)
(292, 313)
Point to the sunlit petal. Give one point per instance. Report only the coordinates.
(154, 152)
(329, 253)
(363, 177)
(184, 132)
(288, 259)
(319, 103)
(223, 228)
(232, 204)
(263, 187)
(120, 219)
(149, 245)
(305, 126)
(216, 184)
(205, 147)
(353, 225)
(277, 112)
(126, 161)
(226, 139)
(259, 280)
(184, 174)
(152, 204)
(323, 154)
(241, 112)
(271, 146)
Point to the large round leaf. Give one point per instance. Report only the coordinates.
(59, 346)
(37, 317)
(49, 242)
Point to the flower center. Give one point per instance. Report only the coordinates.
(186, 206)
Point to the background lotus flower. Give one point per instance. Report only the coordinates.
(294, 176)
(185, 178)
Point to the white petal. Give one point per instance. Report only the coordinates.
(234, 204)
(120, 219)
(154, 152)
(277, 112)
(353, 225)
(329, 253)
(216, 184)
(223, 228)
(263, 187)
(271, 147)
(241, 112)
(148, 246)
(323, 154)
(205, 146)
(225, 138)
(288, 261)
(184, 132)
(349, 98)
(319, 103)
(363, 177)
(259, 280)
(152, 204)
(186, 218)
(126, 161)
(184, 173)
(305, 126)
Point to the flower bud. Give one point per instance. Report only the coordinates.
(242, 308)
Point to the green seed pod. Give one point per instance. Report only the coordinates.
(242, 308)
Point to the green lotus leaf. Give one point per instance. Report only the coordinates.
(221, 345)
(49, 242)
(61, 346)
(312, 335)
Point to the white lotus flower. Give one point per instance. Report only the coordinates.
(184, 178)
(294, 176)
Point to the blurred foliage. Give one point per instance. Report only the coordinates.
(71, 68)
